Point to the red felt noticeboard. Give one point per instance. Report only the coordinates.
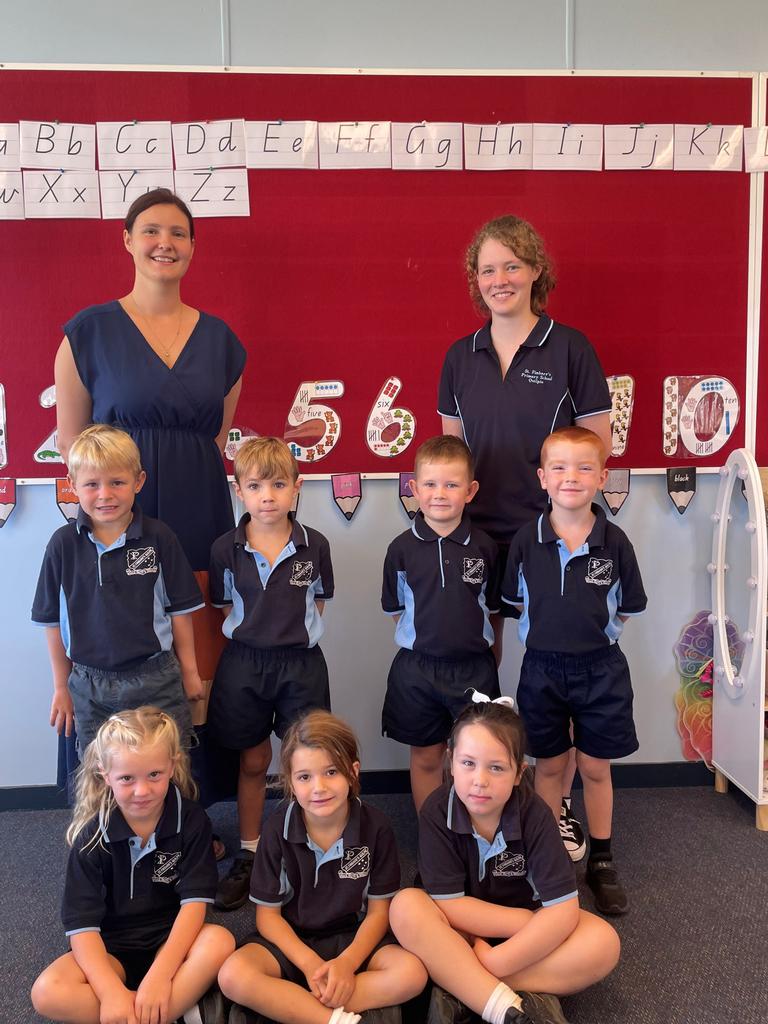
(357, 275)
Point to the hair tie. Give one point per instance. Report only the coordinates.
(483, 698)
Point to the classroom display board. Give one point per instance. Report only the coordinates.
(347, 286)
(761, 440)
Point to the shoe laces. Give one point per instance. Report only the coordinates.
(566, 828)
(604, 870)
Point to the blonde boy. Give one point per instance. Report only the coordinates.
(114, 593)
(441, 586)
(271, 577)
(576, 577)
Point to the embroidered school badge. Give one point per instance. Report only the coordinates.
(355, 862)
(599, 571)
(140, 561)
(473, 570)
(508, 865)
(165, 867)
(301, 574)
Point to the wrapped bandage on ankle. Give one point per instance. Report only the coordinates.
(499, 1002)
(341, 1016)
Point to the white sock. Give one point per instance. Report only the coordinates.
(499, 1002)
(341, 1016)
(249, 844)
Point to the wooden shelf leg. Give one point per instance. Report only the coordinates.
(761, 817)
(721, 782)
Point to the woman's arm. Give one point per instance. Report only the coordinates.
(452, 426)
(599, 424)
(230, 404)
(74, 407)
(154, 992)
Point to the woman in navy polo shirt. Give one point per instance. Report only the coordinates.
(493, 867)
(510, 384)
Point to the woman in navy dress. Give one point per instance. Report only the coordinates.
(170, 376)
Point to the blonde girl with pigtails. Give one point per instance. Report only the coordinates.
(140, 873)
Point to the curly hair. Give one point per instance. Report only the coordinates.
(527, 244)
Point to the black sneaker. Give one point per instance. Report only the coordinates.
(446, 1009)
(210, 1009)
(543, 1007)
(515, 1016)
(233, 888)
(572, 834)
(383, 1015)
(608, 891)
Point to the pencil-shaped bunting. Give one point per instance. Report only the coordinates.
(681, 485)
(66, 499)
(7, 498)
(407, 500)
(347, 492)
(616, 489)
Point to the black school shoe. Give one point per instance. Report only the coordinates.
(602, 879)
(383, 1015)
(446, 1009)
(233, 888)
(211, 1008)
(543, 1007)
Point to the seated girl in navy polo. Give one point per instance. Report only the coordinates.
(140, 873)
(494, 868)
(323, 876)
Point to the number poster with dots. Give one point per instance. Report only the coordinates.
(347, 285)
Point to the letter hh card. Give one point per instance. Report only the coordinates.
(498, 147)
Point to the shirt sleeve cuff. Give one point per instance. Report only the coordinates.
(184, 611)
(80, 931)
(561, 899)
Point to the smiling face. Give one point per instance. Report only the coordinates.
(572, 474)
(484, 775)
(139, 780)
(319, 786)
(160, 243)
(504, 281)
(268, 500)
(443, 489)
(107, 494)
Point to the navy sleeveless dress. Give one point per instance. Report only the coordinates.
(174, 415)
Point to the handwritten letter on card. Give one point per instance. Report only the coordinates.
(209, 144)
(120, 188)
(708, 147)
(639, 147)
(567, 147)
(69, 147)
(281, 144)
(354, 145)
(57, 194)
(498, 147)
(217, 193)
(11, 196)
(9, 147)
(134, 145)
(423, 146)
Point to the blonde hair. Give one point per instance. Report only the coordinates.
(527, 244)
(444, 448)
(269, 457)
(574, 435)
(320, 730)
(103, 447)
(134, 730)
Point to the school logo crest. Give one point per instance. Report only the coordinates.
(140, 561)
(473, 570)
(599, 571)
(301, 574)
(508, 865)
(355, 862)
(166, 867)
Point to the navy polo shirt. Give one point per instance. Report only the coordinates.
(114, 604)
(130, 894)
(554, 380)
(272, 606)
(526, 865)
(443, 589)
(325, 891)
(572, 601)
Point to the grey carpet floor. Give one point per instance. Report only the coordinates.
(695, 943)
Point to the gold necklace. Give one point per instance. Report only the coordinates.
(153, 339)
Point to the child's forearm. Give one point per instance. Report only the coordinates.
(372, 930)
(184, 642)
(272, 926)
(61, 666)
(93, 960)
(547, 929)
(189, 920)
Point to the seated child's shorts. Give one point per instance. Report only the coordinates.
(425, 694)
(135, 963)
(592, 690)
(327, 945)
(258, 691)
(98, 693)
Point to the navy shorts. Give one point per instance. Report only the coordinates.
(327, 946)
(135, 963)
(593, 691)
(98, 693)
(426, 694)
(258, 691)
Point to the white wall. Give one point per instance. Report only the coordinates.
(672, 550)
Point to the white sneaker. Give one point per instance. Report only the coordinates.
(572, 834)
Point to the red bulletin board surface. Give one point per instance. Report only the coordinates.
(761, 439)
(356, 275)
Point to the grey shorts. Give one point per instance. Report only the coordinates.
(98, 693)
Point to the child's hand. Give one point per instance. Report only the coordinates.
(312, 966)
(117, 1007)
(62, 712)
(339, 980)
(152, 998)
(484, 953)
(193, 686)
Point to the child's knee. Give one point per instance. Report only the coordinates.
(255, 761)
(217, 941)
(230, 974)
(47, 993)
(406, 913)
(428, 759)
(593, 769)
